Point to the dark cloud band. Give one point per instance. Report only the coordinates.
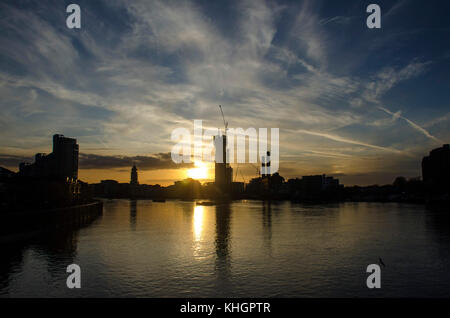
(152, 162)
(93, 161)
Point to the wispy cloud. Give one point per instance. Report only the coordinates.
(411, 123)
(351, 141)
(388, 77)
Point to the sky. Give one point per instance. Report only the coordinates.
(363, 105)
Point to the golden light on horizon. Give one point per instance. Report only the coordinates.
(199, 172)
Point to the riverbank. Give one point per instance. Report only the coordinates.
(25, 224)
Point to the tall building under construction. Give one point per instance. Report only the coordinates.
(223, 170)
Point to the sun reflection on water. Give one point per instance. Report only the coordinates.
(198, 222)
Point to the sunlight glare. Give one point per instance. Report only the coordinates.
(199, 172)
(198, 221)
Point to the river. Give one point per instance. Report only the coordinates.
(244, 249)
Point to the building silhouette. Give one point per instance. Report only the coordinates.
(6, 174)
(223, 171)
(266, 174)
(315, 187)
(265, 166)
(436, 170)
(318, 183)
(134, 176)
(61, 164)
(51, 181)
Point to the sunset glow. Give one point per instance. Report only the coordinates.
(199, 172)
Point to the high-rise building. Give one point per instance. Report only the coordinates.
(436, 170)
(65, 151)
(134, 176)
(62, 163)
(223, 171)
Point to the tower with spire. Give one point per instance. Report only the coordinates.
(134, 175)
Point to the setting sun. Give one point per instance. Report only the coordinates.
(199, 172)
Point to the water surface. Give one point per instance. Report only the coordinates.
(244, 249)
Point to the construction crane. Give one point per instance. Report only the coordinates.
(225, 123)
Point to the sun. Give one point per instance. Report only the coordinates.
(199, 172)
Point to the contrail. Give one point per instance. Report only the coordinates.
(354, 142)
(412, 124)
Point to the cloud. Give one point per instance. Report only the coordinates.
(354, 142)
(13, 160)
(154, 162)
(337, 20)
(94, 161)
(386, 121)
(438, 120)
(388, 77)
(412, 124)
(309, 33)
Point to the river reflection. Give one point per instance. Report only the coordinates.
(242, 249)
(48, 252)
(222, 245)
(133, 214)
(197, 222)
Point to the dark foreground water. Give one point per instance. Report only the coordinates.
(178, 249)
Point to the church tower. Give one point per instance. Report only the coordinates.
(134, 176)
